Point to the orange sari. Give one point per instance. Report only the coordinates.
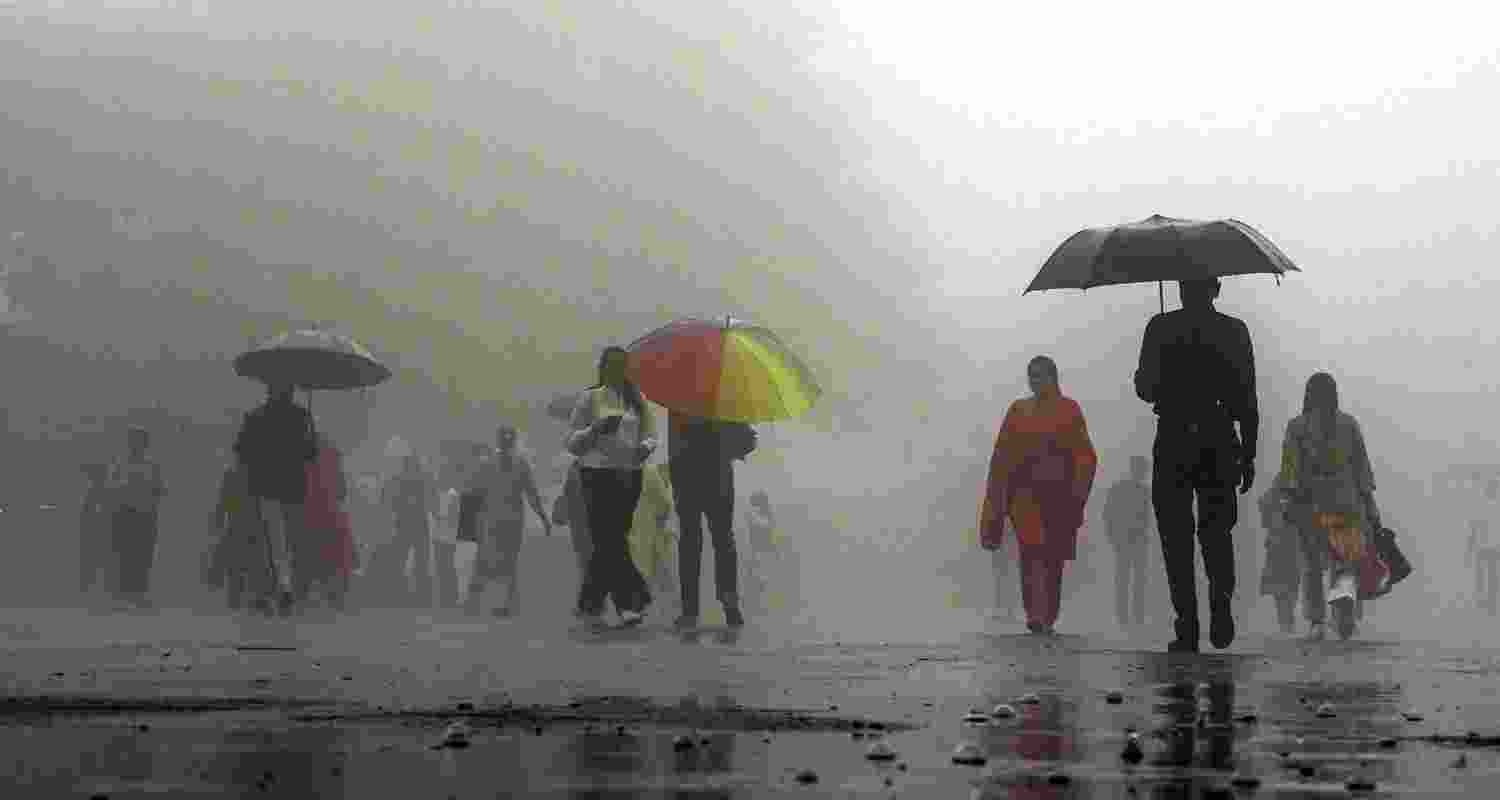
(1041, 472)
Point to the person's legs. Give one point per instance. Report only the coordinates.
(1031, 577)
(686, 496)
(1173, 463)
(421, 565)
(1137, 582)
(1286, 611)
(599, 579)
(1217, 512)
(1123, 565)
(726, 558)
(1052, 588)
(447, 573)
(1314, 542)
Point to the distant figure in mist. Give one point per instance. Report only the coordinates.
(137, 488)
(411, 497)
(96, 558)
(1325, 471)
(1484, 556)
(326, 555)
(1041, 472)
(1128, 524)
(765, 553)
(240, 560)
(1282, 576)
(1197, 369)
(275, 443)
(503, 484)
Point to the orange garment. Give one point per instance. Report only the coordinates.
(1041, 472)
(327, 520)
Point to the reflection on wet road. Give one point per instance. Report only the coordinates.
(1073, 717)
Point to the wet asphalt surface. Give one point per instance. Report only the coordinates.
(177, 704)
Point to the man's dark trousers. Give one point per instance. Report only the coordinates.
(1195, 459)
(705, 490)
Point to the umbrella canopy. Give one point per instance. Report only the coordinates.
(312, 359)
(725, 369)
(1159, 249)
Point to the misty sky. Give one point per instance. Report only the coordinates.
(878, 181)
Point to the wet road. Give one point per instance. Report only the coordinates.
(654, 715)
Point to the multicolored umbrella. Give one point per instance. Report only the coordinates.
(726, 369)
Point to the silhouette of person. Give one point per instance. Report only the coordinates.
(1197, 369)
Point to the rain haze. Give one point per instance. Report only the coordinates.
(487, 194)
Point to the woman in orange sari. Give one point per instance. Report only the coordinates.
(1040, 475)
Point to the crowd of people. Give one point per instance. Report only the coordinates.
(292, 532)
(1324, 536)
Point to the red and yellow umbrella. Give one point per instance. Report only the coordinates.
(724, 369)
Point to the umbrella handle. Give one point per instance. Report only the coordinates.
(1161, 297)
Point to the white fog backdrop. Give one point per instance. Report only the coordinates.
(906, 167)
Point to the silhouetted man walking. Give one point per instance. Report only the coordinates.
(1197, 369)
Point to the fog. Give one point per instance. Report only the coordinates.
(486, 194)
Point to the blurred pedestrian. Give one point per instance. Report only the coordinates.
(1326, 473)
(1041, 472)
(445, 548)
(613, 435)
(275, 443)
(325, 557)
(766, 555)
(1246, 566)
(96, 570)
(700, 455)
(241, 558)
(504, 484)
(1482, 554)
(1197, 369)
(137, 487)
(1282, 576)
(410, 495)
(1128, 525)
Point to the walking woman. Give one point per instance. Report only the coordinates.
(138, 487)
(1325, 470)
(1041, 472)
(613, 436)
(242, 560)
(326, 557)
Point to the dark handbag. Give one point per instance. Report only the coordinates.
(470, 503)
(1389, 552)
(738, 441)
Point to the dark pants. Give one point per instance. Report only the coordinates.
(134, 536)
(447, 573)
(95, 570)
(700, 491)
(1130, 579)
(612, 495)
(1199, 462)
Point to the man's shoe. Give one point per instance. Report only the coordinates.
(1036, 627)
(630, 619)
(733, 618)
(1182, 646)
(685, 622)
(1316, 632)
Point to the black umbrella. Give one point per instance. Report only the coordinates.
(1158, 249)
(312, 359)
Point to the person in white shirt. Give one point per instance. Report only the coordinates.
(613, 436)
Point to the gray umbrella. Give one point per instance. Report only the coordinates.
(312, 359)
(1158, 249)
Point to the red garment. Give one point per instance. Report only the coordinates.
(1041, 472)
(1041, 585)
(325, 516)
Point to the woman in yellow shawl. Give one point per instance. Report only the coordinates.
(651, 540)
(1041, 472)
(1326, 475)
